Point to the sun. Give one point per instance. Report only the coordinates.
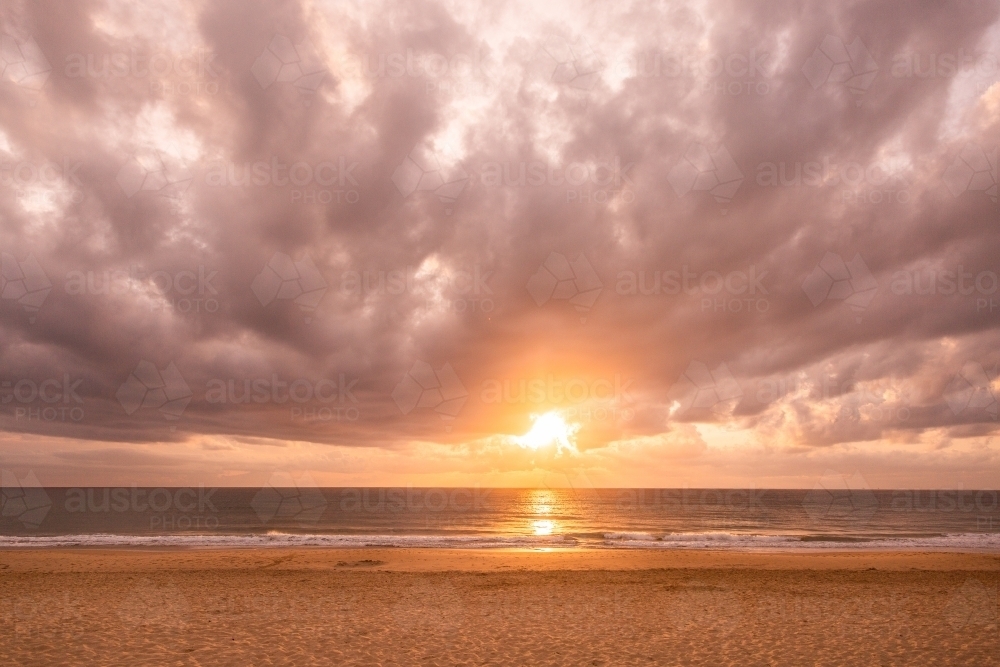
(548, 429)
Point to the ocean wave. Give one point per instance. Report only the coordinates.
(615, 540)
(735, 541)
(631, 537)
(275, 539)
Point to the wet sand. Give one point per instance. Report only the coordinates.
(444, 607)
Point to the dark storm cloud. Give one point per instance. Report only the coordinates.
(221, 229)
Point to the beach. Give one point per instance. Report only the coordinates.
(476, 607)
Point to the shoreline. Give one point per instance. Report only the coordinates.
(839, 550)
(984, 543)
(409, 559)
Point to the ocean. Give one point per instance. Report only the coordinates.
(737, 519)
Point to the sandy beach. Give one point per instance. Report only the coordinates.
(442, 607)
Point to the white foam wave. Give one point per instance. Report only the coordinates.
(273, 539)
(630, 537)
(623, 540)
(733, 541)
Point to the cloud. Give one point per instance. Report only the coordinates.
(331, 217)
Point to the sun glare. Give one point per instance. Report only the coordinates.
(543, 527)
(548, 429)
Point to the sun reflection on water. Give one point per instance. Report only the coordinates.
(543, 527)
(541, 503)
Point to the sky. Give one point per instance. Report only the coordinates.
(660, 244)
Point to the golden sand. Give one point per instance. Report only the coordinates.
(444, 607)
